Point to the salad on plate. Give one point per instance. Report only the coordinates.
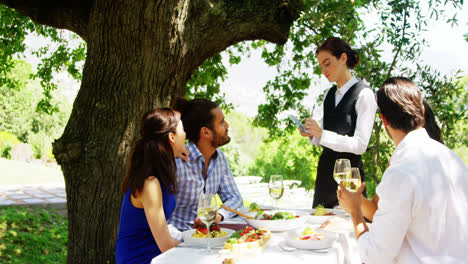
(261, 215)
(277, 221)
(310, 238)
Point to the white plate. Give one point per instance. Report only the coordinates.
(245, 209)
(278, 225)
(201, 242)
(315, 219)
(326, 242)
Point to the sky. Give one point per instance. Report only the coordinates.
(447, 52)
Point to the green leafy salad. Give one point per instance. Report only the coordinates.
(321, 211)
(254, 207)
(261, 215)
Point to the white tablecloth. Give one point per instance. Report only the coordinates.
(343, 251)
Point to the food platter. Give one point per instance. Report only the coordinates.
(202, 242)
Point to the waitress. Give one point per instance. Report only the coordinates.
(349, 112)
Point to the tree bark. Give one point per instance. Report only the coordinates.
(140, 56)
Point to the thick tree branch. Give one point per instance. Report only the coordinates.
(224, 23)
(72, 14)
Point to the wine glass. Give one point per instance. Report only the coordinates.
(207, 211)
(353, 182)
(342, 170)
(276, 188)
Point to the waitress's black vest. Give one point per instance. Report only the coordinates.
(342, 120)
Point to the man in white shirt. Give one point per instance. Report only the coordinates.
(422, 214)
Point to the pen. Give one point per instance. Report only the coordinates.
(312, 112)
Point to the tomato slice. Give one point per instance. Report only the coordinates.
(247, 229)
(215, 227)
(202, 230)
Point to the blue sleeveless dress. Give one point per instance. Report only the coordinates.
(135, 242)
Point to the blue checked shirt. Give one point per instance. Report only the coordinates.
(192, 183)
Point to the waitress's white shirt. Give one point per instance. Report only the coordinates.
(366, 106)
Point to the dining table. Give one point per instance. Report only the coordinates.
(344, 249)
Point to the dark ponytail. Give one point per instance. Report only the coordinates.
(337, 46)
(152, 155)
(433, 130)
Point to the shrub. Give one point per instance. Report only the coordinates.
(291, 156)
(41, 145)
(7, 143)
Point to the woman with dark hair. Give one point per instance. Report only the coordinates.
(149, 188)
(349, 112)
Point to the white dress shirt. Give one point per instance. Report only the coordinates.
(423, 206)
(366, 107)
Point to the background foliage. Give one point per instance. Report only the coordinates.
(20, 118)
(398, 27)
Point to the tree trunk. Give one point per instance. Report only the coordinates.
(124, 76)
(140, 56)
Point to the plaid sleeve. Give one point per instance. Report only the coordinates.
(228, 191)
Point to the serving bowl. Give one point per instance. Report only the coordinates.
(280, 224)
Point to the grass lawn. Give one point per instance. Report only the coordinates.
(32, 236)
(19, 172)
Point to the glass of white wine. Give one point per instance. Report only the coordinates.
(342, 170)
(207, 211)
(276, 188)
(353, 182)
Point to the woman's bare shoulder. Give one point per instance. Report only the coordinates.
(152, 182)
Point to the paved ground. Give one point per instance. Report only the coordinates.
(53, 194)
(43, 195)
(293, 197)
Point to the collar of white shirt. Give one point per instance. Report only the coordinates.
(415, 137)
(341, 91)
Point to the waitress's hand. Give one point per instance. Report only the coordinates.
(304, 133)
(313, 127)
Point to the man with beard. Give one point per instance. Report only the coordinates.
(205, 169)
